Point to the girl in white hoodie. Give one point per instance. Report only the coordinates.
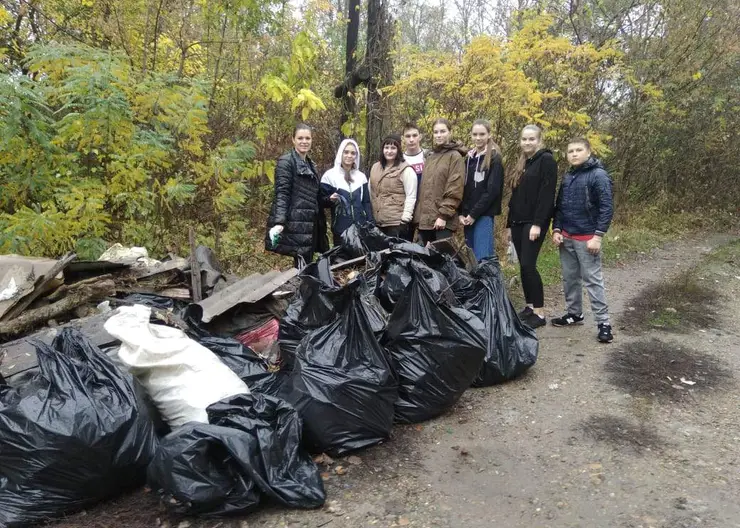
(346, 188)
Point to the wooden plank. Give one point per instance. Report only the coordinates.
(195, 269)
(74, 298)
(39, 287)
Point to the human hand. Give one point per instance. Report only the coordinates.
(334, 197)
(469, 220)
(461, 218)
(534, 232)
(594, 245)
(557, 238)
(440, 223)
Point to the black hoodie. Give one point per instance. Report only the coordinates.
(482, 198)
(533, 200)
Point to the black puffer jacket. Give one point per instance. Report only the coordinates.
(584, 205)
(297, 207)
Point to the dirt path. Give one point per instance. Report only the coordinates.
(562, 447)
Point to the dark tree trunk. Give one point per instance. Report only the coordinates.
(379, 41)
(353, 28)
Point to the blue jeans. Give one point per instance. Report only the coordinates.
(479, 237)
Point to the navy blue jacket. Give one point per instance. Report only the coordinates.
(584, 205)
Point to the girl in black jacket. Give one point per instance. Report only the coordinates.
(484, 185)
(530, 210)
(297, 225)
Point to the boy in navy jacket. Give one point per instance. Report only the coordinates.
(584, 210)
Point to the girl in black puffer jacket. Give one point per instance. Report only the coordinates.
(296, 225)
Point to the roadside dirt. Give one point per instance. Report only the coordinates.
(570, 444)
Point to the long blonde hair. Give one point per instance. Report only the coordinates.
(491, 147)
(518, 171)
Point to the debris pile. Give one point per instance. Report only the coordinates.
(226, 385)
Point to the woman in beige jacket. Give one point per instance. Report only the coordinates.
(392, 188)
(441, 188)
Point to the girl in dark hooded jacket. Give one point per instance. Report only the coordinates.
(346, 187)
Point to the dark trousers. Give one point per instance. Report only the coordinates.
(399, 231)
(432, 235)
(527, 252)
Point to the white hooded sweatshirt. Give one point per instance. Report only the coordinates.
(334, 177)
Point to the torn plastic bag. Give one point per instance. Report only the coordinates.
(437, 352)
(245, 363)
(512, 346)
(250, 451)
(343, 384)
(262, 338)
(181, 376)
(396, 272)
(70, 436)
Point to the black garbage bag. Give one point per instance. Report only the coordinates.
(251, 450)
(397, 269)
(246, 364)
(512, 346)
(316, 304)
(342, 383)
(71, 436)
(437, 352)
(376, 314)
(462, 284)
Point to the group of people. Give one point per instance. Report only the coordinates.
(414, 194)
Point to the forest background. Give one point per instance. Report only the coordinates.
(131, 120)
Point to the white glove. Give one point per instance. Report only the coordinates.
(275, 233)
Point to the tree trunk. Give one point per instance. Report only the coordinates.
(353, 26)
(379, 41)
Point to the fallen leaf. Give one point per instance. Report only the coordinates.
(339, 470)
(403, 521)
(419, 427)
(354, 460)
(323, 459)
(325, 476)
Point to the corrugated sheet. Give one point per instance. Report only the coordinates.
(248, 290)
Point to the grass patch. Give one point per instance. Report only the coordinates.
(652, 368)
(620, 433)
(679, 304)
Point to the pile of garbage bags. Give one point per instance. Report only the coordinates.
(216, 429)
(71, 435)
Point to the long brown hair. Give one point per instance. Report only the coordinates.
(516, 174)
(491, 147)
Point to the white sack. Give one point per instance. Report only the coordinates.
(180, 375)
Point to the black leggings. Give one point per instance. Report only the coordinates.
(527, 252)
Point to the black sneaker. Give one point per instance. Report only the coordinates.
(605, 333)
(525, 313)
(568, 319)
(535, 321)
